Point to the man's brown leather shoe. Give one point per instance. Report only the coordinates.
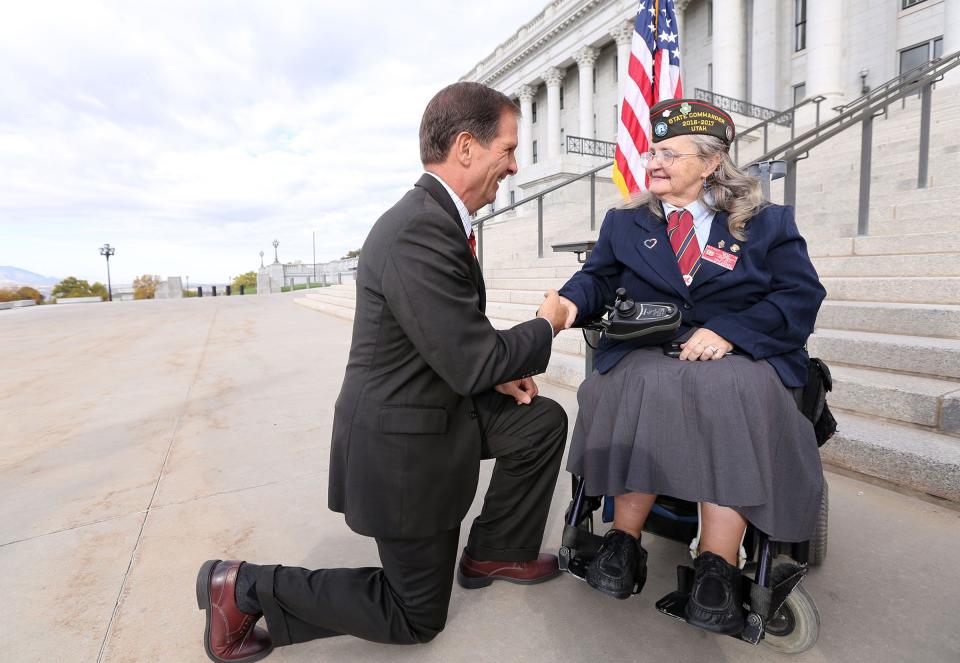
(231, 635)
(474, 574)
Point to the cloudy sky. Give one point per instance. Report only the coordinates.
(189, 135)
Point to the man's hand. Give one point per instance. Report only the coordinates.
(705, 344)
(522, 390)
(554, 311)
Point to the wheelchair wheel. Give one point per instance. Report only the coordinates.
(796, 625)
(818, 542)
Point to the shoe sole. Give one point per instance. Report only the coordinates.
(203, 603)
(478, 583)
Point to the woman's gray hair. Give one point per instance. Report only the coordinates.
(729, 189)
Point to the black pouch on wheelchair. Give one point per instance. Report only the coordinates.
(814, 401)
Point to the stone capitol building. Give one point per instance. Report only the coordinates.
(565, 66)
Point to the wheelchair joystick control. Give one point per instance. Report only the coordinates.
(626, 307)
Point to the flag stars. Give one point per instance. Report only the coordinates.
(668, 37)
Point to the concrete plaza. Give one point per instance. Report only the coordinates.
(138, 439)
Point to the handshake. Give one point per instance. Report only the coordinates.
(559, 311)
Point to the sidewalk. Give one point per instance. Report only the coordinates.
(138, 439)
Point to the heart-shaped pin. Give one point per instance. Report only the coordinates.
(650, 243)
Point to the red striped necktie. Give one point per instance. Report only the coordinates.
(472, 239)
(683, 239)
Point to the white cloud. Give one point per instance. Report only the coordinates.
(191, 134)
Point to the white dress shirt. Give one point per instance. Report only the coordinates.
(702, 220)
(464, 213)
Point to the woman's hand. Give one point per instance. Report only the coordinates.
(703, 345)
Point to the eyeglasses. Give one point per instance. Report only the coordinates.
(665, 157)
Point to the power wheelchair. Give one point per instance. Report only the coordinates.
(780, 612)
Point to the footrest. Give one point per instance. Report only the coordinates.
(674, 605)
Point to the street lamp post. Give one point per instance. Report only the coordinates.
(261, 260)
(276, 260)
(106, 250)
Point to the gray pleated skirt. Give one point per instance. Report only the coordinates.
(726, 432)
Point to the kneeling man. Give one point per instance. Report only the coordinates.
(431, 388)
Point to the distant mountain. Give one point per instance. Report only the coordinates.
(17, 276)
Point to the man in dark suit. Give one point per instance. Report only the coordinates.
(431, 388)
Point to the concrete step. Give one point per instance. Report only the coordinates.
(935, 357)
(531, 271)
(939, 264)
(918, 459)
(529, 284)
(895, 244)
(911, 289)
(527, 297)
(934, 320)
(345, 312)
(908, 398)
(565, 369)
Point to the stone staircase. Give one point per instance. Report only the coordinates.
(889, 329)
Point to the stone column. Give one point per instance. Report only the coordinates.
(553, 77)
(825, 51)
(623, 35)
(586, 57)
(729, 39)
(764, 56)
(503, 193)
(951, 28)
(526, 94)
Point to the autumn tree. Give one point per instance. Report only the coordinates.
(74, 287)
(145, 287)
(26, 292)
(351, 254)
(248, 280)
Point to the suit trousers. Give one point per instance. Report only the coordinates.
(405, 601)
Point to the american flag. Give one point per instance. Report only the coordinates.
(652, 76)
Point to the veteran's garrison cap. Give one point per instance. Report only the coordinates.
(680, 117)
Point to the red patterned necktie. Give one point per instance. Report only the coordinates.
(683, 239)
(472, 239)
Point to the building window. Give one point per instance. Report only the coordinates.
(595, 72)
(799, 92)
(534, 151)
(616, 67)
(616, 120)
(561, 97)
(916, 55)
(907, 4)
(533, 112)
(710, 18)
(799, 25)
(710, 76)
(563, 143)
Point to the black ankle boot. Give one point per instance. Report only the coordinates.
(620, 567)
(715, 602)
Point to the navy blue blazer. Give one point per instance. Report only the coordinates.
(766, 305)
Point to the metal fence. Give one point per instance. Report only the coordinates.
(742, 107)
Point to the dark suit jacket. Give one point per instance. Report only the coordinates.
(406, 441)
(766, 305)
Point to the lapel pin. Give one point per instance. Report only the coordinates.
(650, 243)
(735, 248)
(721, 244)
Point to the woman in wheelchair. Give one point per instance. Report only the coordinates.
(718, 425)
